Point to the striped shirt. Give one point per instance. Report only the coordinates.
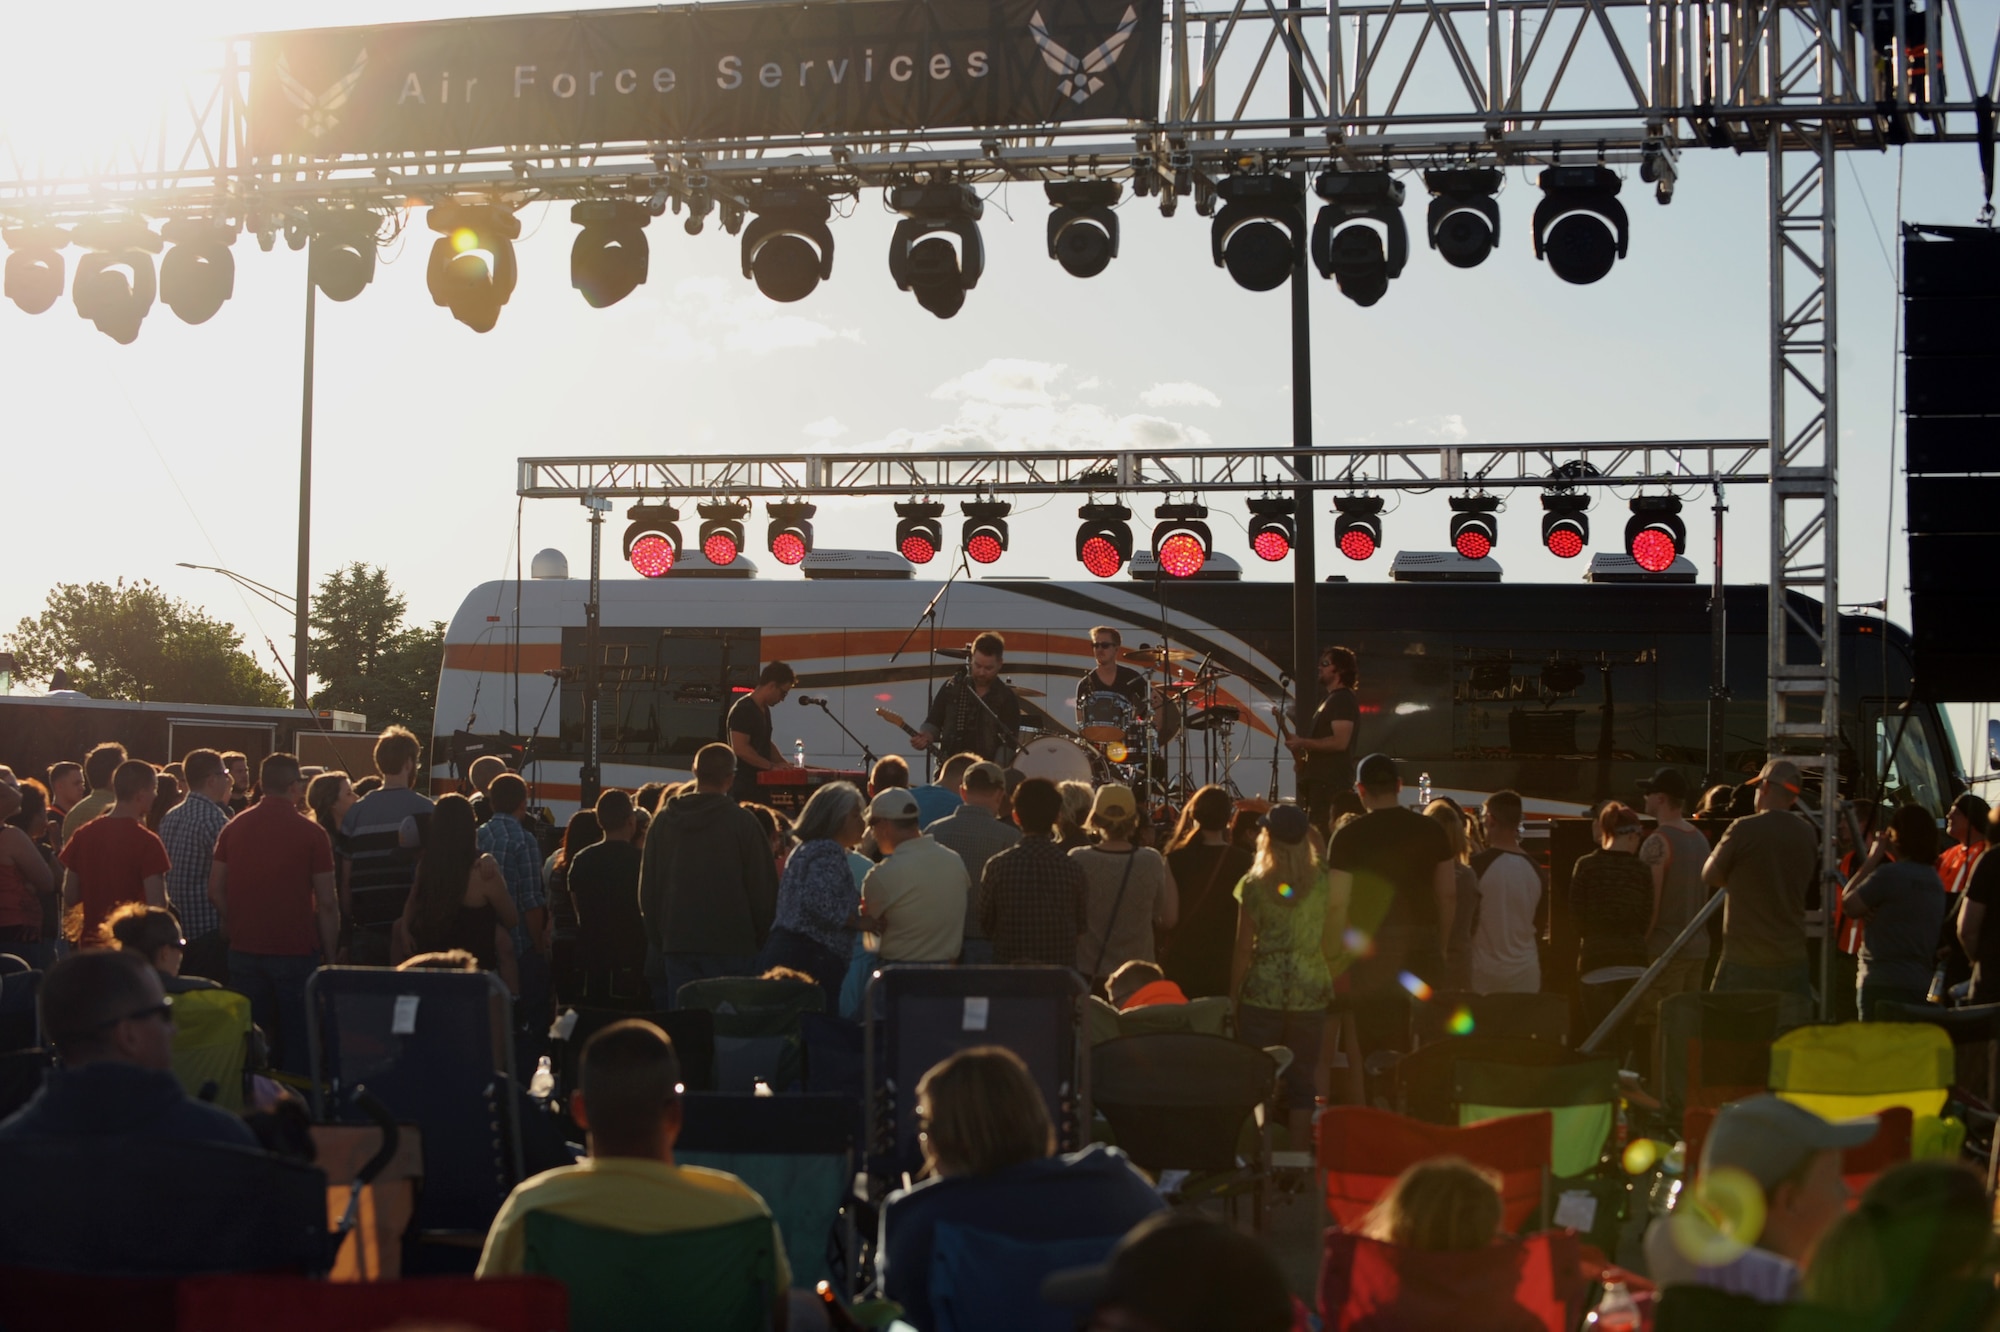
(189, 830)
(380, 869)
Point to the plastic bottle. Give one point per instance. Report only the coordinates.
(798, 753)
(1617, 1311)
(1423, 789)
(543, 1084)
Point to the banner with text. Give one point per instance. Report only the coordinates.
(707, 72)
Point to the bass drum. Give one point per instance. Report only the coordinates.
(1060, 759)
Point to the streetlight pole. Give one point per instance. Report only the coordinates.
(300, 698)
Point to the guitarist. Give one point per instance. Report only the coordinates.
(975, 712)
(1324, 755)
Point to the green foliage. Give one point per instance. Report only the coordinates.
(364, 656)
(133, 641)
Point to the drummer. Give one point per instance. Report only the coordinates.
(1109, 677)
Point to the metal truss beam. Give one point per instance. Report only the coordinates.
(1492, 467)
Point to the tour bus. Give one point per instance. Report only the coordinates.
(1565, 692)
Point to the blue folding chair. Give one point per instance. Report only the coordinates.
(797, 1152)
(985, 1282)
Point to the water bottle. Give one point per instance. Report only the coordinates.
(798, 753)
(1423, 789)
(838, 1319)
(1616, 1312)
(543, 1084)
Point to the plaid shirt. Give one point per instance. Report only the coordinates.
(507, 840)
(1031, 904)
(189, 831)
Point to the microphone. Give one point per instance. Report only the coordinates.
(561, 673)
(808, 701)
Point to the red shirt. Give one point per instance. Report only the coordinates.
(272, 852)
(113, 858)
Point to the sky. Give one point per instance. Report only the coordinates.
(184, 445)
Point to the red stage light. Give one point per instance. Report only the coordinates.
(1473, 545)
(1565, 543)
(720, 548)
(1101, 558)
(919, 549)
(652, 556)
(1653, 550)
(984, 549)
(1357, 544)
(1271, 545)
(1182, 555)
(788, 548)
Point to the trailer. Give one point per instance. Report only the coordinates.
(39, 730)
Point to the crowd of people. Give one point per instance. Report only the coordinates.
(1326, 925)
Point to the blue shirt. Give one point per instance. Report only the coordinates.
(107, 1097)
(189, 831)
(933, 803)
(506, 839)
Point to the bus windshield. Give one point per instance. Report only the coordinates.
(1914, 774)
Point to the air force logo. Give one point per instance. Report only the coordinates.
(318, 109)
(1080, 74)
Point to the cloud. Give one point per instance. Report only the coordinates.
(826, 428)
(1447, 428)
(1179, 395)
(1004, 382)
(708, 317)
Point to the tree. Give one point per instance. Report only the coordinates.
(364, 656)
(132, 641)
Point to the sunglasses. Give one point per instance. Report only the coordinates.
(1103, 647)
(164, 1011)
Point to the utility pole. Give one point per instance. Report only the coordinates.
(300, 697)
(1305, 617)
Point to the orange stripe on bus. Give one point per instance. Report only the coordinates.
(533, 658)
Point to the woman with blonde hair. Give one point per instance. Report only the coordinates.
(989, 1152)
(1279, 976)
(1465, 909)
(1443, 1205)
(1131, 891)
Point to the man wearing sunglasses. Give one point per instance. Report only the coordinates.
(113, 1031)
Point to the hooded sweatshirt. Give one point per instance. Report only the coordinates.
(106, 1098)
(707, 883)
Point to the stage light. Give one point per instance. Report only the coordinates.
(342, 258)
(609, 257)
(35, 266)
(653, 541)
(1345, 247)
(1256, 233)
(922, 260)
(788, 250)
(984, 535)
(1103, 539)
(919, 534)
(1475, 525)
(1580, 227)
(721, 531)
(1083, 231)
(1358, 530)
(1562, 677)
(199, 273)
(1464, 218)
(790, 536)
(115, 284)
(1655, 534)
(1181, 540)
(1272, 531)
(472, 269)
(1565, 525)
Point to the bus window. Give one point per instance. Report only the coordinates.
(663, 693)
(1914, 774)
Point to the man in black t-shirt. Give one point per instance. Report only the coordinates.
(1979, 936)
(1395, 870)
(750, 728)
(604, 888)
(1325, 753)
(1109, 677)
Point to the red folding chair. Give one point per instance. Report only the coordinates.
(1858, 1165)
(1537, 1284)
(255, 1303)
(1362, 1150)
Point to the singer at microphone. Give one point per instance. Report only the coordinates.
(750, 728)
(975, 712)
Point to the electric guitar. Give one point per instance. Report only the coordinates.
(1007, 752)
(1298, 760)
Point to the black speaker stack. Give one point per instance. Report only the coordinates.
(1951, 396)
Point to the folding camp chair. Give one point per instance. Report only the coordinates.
(20, 1025)
(1978, 1025)
(1716, 1047)
(1514, 1283)
(1583, 1098)
(21, 1074)
(1426, 1078)
(256, 1303)
(1523, 1017)
(181, 1207)
(798, 1153)
(984, 1282)
(914, 1016)
(1851, 1069)
(691, 1030)
(1181, 1100)
(436, 1049)
(1858, 1165)
(718, 1279)
(1363, 1150)
(756, 1028)
(212, 1044)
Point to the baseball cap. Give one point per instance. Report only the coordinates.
(1286, 823)
(1668, 782)
(1115, 801)
(1768, 1137)
(895, 803)
(1183, 1272)
(991, 776)
(1378, 771)
(1782, 771)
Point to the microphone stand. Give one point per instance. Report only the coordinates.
(929, 616)
(867, 755)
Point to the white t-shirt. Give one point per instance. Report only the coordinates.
(1504, 956)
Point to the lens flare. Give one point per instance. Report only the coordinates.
(1116, 752)
(464, 239)
(1285, 890)
(1357, 942)
(1416, 985)
(1719, 1217)
(1461, 1021)
(1641, 1155)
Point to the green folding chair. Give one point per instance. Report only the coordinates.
(1583, 1098)
(211, 1045)
(717, 1279)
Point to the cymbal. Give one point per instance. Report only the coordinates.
(1022, 691)
(1154, 656)
(956, 654)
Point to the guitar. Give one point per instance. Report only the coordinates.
(1298, 760)
(1007, 752)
